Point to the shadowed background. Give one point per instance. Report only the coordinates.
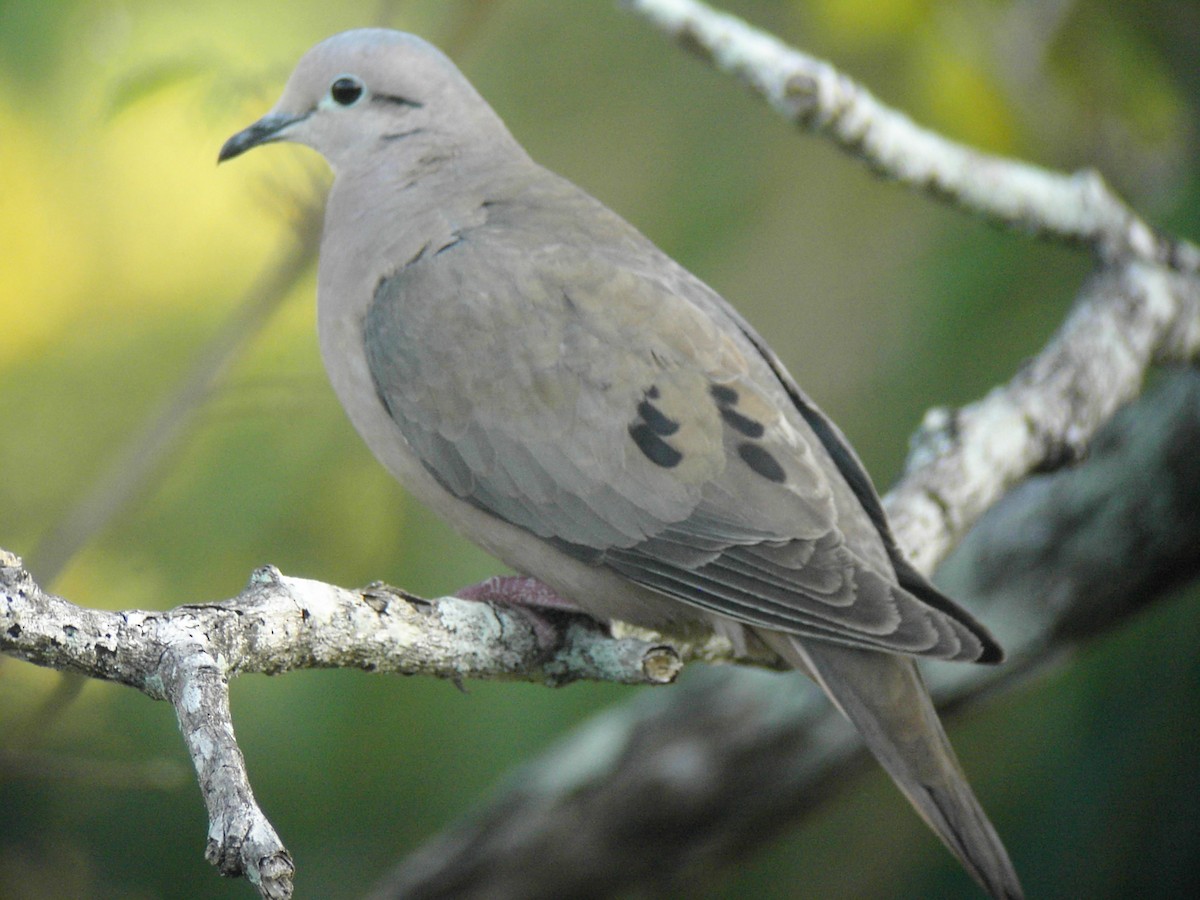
(124, 253)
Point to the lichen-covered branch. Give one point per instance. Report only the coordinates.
(1069, 556)
(188, 654)
(1124, 321)
(279, 623)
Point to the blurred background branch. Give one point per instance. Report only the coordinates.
(134, 469)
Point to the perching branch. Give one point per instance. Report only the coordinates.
(187, 656)
(279, 623)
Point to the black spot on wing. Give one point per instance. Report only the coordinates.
(656, 449)
(655, 420)
(762, 462)
(742, 424)
(725, 396)
(651, 427)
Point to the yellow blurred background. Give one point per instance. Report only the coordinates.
(193, 450)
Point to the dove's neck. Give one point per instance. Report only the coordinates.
(412, 196)
(393, 208)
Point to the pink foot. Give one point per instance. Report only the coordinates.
(517, 590)
(536, 601)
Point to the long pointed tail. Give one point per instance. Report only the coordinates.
(885, 698)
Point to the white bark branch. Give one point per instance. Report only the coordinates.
(187, 656)
(1125, 319)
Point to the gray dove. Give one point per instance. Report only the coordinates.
(536, 371)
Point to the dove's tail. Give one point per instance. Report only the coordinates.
(885, 698)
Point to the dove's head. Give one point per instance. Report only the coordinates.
(359, 92)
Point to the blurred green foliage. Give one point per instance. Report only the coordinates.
(123, 249)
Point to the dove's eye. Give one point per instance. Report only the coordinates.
(346, 90)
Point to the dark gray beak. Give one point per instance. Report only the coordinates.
(264, 131)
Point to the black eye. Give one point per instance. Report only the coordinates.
(346, 90)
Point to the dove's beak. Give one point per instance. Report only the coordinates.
(270, 127)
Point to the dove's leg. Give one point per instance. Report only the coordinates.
(536, 601)
(517, 590)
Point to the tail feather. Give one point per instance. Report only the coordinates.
(885, 698)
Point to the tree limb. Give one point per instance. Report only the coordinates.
(187, 656)
(1126, 318)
